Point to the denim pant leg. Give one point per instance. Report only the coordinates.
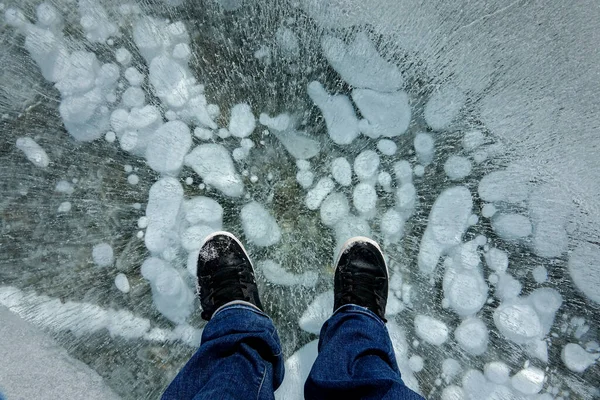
(239, 358)
(356, 360)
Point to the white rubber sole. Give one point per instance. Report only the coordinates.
(360, 239)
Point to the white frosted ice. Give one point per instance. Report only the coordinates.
(342, 125)
(134, 97)
(305, 178)
(203, 210)
(511, 226)
(584, 268)
(360, 64)
(193, 237)
(366, 165)
(288, 42)
(507, 287)
(364, 198)
(169, 79)
(576, 358)
(168, 146)
(349, 227)
(529, 380)
(496, 259)
(457, 167)
(260, 227)
(387, 147)
(64, 207)
(497, 372)
(123, 56)
(334, 208)
(316, 195)
(386, 114)
(472, 336)
(464, 286)
(488, 210)
(406, 199)
(384, 179)
(443, 106)
(164, 201)
(540, 274)
(317, 313)
(549, 209)
(48, 16)
(518, 322)
(303, 165)
(122, 283)
(134, 77)
(341, 170)
(214, 165)
(278, 275)
(64, 187)
(203, 133)
(172, 297)
(392, 225)
(453, 392)
(510, 185)
(297, 369)
(133, 179)
(416, 363)
(298, 144)
(451, 368)
(423, 144)
(103, 255)
(403, 172)
(431, 330)
(242, 121)
(96, 22)
(281, 122)
(33, 152)
(472, 140)
(448, 221)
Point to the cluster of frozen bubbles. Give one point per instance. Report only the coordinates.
(110, 101)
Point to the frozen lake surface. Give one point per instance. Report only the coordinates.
(462, 137)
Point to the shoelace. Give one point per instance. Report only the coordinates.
(227, 283)
(363, 287)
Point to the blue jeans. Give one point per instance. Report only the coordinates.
(240, 358)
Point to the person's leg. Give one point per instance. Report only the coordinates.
(356, 359)
(240, 354)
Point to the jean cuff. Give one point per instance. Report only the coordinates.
(354, 308)
(240, 305)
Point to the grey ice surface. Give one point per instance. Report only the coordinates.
(34, 366)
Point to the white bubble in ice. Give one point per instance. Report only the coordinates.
(103, 255)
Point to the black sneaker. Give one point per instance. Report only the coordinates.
(224, 274)
(361, 276)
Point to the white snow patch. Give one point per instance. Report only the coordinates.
(529, 380)
(576, 358)
(203, 210)
(168, 147)
(334, 208)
